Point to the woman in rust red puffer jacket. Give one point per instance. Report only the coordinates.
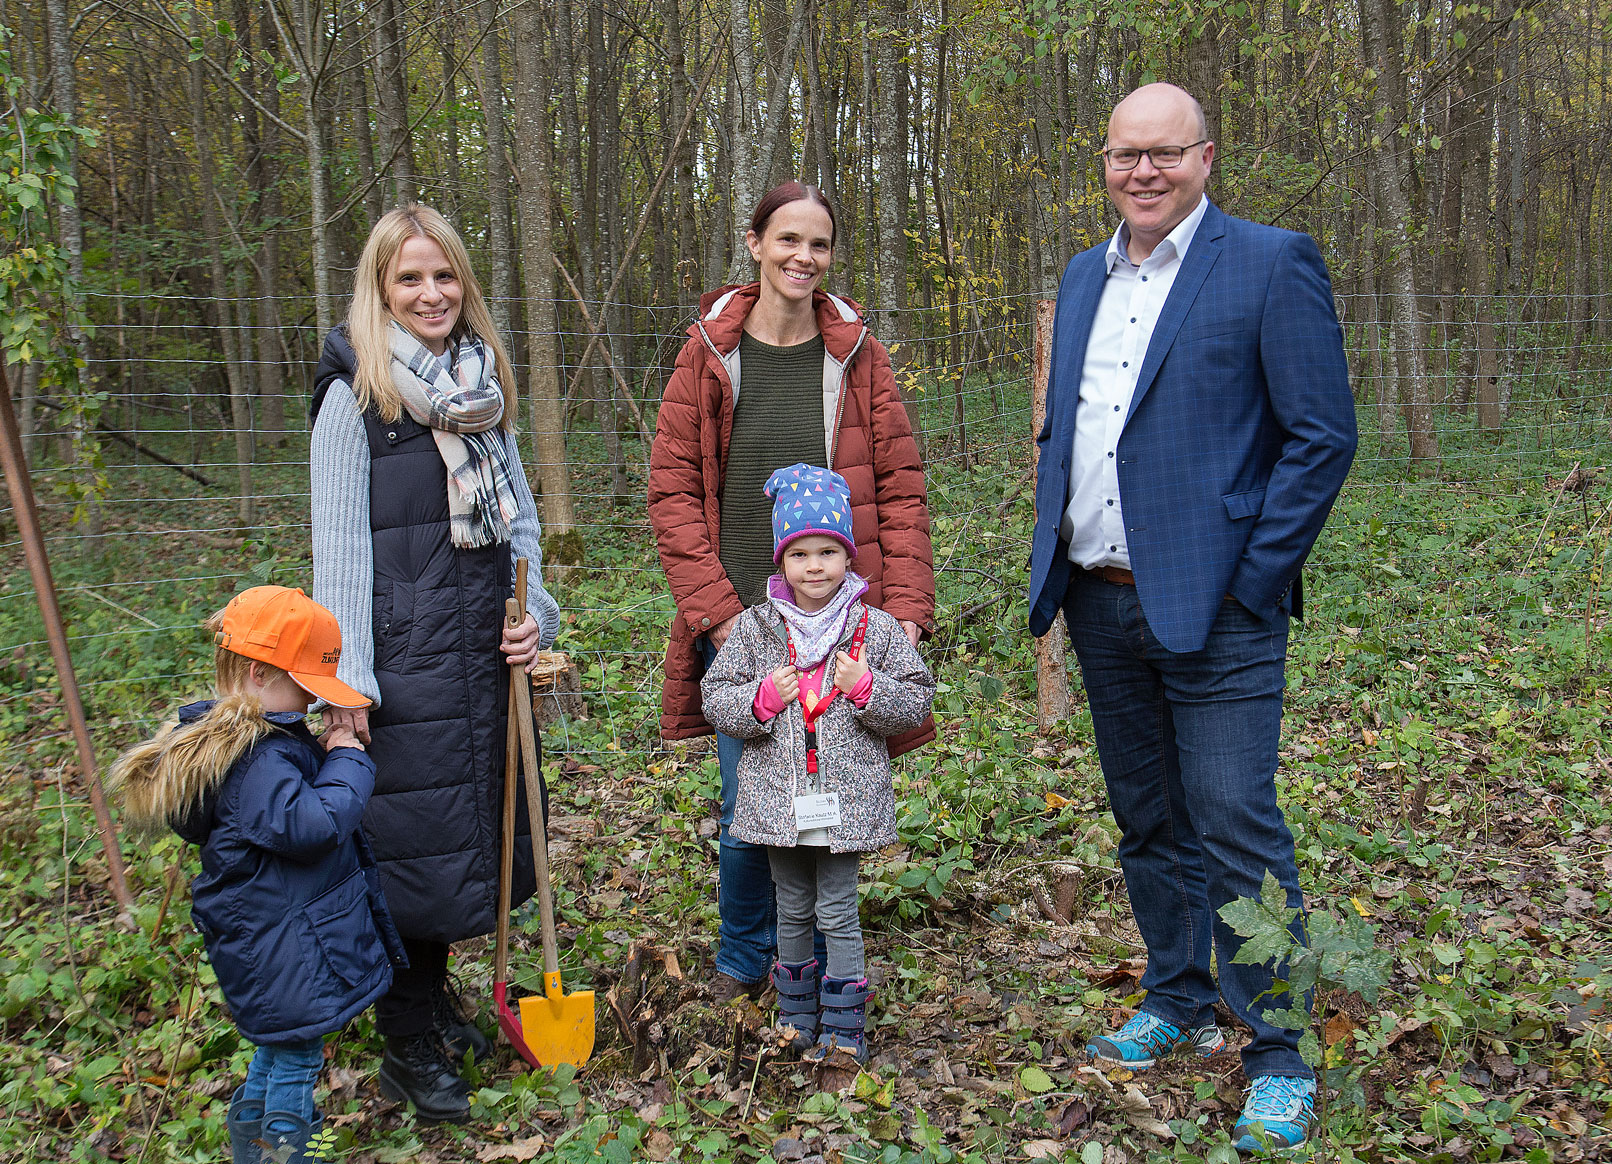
(815, 387)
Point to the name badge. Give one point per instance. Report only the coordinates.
(819, 810)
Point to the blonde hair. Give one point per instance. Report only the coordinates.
(368, 317)
(230, 670)
(162, 779)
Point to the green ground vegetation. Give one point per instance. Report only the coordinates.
(1445, 774)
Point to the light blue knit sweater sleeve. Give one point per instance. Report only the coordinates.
(526, 541)
(343, 555)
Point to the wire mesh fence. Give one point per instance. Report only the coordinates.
(1415, 558)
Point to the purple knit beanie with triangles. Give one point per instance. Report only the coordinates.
(806, 500)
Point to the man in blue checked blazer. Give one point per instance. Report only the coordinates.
(1199, 425)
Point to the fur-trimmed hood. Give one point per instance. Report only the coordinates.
(171, 780)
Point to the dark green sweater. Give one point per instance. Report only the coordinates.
(777, 422)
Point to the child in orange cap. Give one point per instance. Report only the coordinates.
(286, 901)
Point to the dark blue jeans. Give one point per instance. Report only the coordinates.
(1188, 744)
(281, 1078)
(748, 935)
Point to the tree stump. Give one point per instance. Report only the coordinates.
(557, 686)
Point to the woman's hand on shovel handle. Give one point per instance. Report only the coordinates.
(520, 644)
(353, 719)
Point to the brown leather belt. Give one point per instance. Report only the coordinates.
(1118, 575)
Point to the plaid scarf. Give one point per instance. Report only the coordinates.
(461, 403)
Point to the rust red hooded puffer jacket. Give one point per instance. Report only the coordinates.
(872, 448)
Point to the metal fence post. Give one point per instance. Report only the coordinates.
(20, 486)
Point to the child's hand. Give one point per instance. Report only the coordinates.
(340, 735)
(848, 672)
(787, 682)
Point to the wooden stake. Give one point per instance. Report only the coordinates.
(1052, 670)
(20, 486)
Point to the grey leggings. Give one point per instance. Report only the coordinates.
(815, 884)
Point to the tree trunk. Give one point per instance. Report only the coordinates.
(581, 205)
(722, 229)
(371, 166)
(303, 36)
(1371, 332)
(71, 224)
(392, 100)
(445, 22)
(500, 234)
(822, 122)
(1483, 366)
(263, 141)
(741, 134)
(891, 293)
(890, 131)
(1379, 34)
(684, 193)
(752, 169)
(535, 138)
(213, 230)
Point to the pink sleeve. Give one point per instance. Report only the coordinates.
(768, 702)
(863, 689)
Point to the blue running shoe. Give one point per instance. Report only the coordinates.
(1278, 1113)
(1147, 1038)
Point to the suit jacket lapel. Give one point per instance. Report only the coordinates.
(1201, 256)
(1075, 334)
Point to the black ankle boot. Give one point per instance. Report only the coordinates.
(455, 1022)
(416, 1068)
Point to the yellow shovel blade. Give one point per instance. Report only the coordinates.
(558, 1027)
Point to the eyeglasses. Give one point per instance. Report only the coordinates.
(1162, 157)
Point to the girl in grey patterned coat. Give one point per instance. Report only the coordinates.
(814, 681)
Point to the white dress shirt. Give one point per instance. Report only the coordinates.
(1133, 296)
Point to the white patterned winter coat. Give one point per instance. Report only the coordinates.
(852, 757)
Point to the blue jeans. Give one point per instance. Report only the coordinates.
(281, 1078)
(1188, 744)
(748, 935)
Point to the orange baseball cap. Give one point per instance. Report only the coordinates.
(287, 629)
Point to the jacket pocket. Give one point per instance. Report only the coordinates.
(394, 616)
(1208, 329)
(345, 932)
(1240, 505)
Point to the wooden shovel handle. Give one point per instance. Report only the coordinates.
(506, 855)
(534, 803)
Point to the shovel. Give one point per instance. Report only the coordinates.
(555, 1027)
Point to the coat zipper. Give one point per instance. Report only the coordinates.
(839, 402)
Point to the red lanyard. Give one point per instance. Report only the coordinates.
(813, 713)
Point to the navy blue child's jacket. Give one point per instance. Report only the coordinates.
(287, 900)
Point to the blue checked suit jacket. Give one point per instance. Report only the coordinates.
(1239, 435)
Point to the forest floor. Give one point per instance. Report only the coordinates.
(1445, 773)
